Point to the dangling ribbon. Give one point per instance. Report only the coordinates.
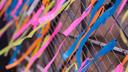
(20, 40)
(96, 8)
(101, 20)
(107, 48)
(31, 47)
(78, 55)
(48, 65)
(78, 20)
(71, 27)
(72, 47)
(44, 29)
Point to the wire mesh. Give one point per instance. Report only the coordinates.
(97, 40)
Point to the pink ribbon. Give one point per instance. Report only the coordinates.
(76, 22)
(49, 64)
(2, 3)
(36, 16)
(49, 16)
(119, 68)
(33, 20)
(121, 7)
(38, 54)
(52, 14)
(83, 63)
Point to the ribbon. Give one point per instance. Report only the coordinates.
(107, 48)
(101, 20)
(5, 7)
(16, 8)
(2, 4)
(121, 7)
(96, 8)
(41, 50)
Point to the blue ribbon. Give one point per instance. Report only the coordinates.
(9, 10)
(20, 8)
(107, 48)
(14, 55)
(101, 20)
(11, 7)
(72, 47)
(96, 7)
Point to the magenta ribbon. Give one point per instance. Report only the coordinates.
(76, 22)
